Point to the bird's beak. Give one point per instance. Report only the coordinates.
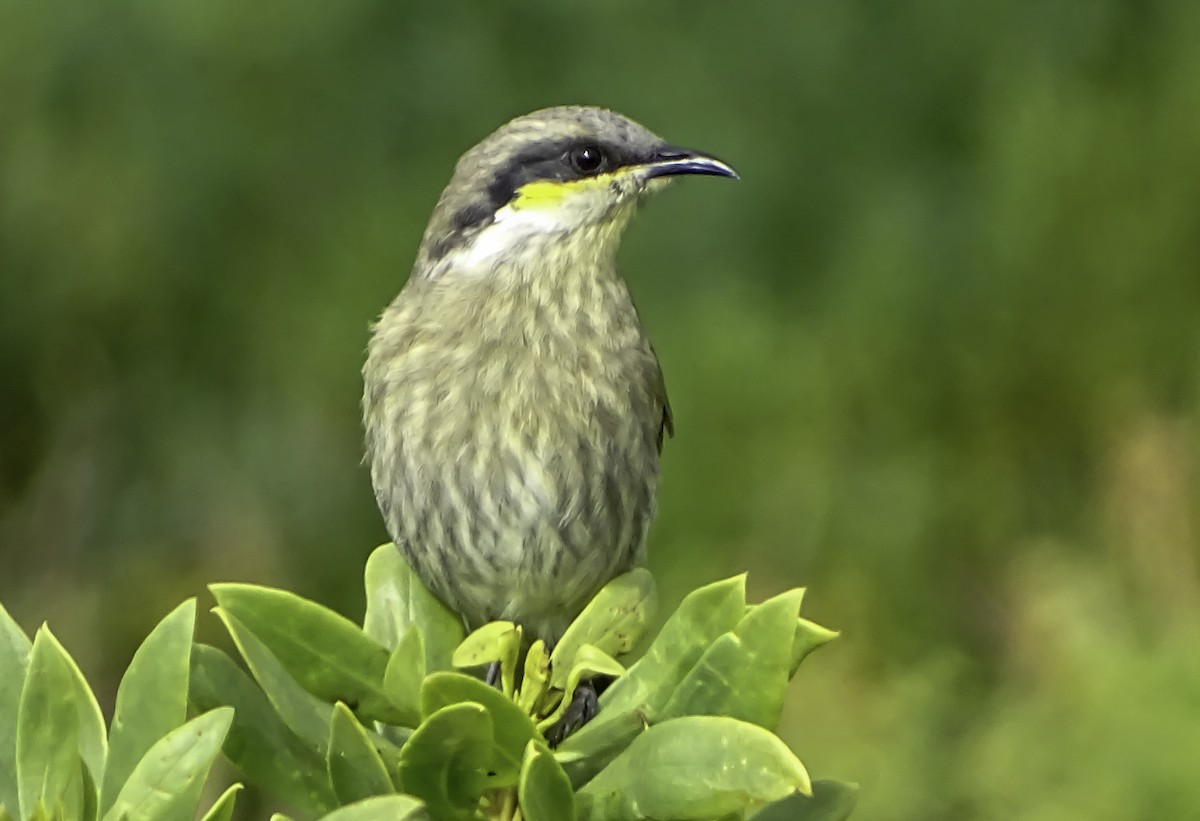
(670, 160)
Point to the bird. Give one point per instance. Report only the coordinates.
(513, 405)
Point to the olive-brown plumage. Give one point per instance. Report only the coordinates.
(513, 404)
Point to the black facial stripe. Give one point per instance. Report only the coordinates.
(542, 160)
(546, 160)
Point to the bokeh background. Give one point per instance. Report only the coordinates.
(936, 356)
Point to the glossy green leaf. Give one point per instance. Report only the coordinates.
(222, 808)
(446, 762)
(48, 769)
(512, 729)
(404, 674)
(701, 617)
(14, 660)
(496, 641)
(305, 714)
(717, 683)
(583, 755)
(636, 697)
(491, 642)
(396, 600)
(613, 622)
(830, 801)
(535, 678)
(90, 794)
(259, 743)
(591, 661)
(698, 767)
(93, 735)
(4, 814)
(166, 784)
(387, 750)
(588, 663)
(326, 653)
(380, 808)
(356, 770)
(544, 792)
(744, 673)
(589, 750)
(809, 636)
(151, 699)
(393, 734)
(768, 632)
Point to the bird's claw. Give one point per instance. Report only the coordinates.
(585, 704)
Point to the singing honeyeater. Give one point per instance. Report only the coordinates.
(514, 406)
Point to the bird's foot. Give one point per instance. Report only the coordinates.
(585, 704)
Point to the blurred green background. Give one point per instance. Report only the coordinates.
(937, 356)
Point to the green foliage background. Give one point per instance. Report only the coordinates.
(936, 356)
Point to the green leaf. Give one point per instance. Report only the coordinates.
(830, 801)
(769, 630)
(404, 674)
(93, 735)
(701, 617)
(48, 731)
(698, 767)
(544, 793)
(809, 636)
(636, 697)
(613, 622)
(380, 808)
(583, 755)
(305, 714)
(355, 769)
(743, 674)
(166, 784)
(717, 684)
(447, 760)
(90, 794)
(222, 808)
(327, 654)
(534, 678)
(259, 743)
(151, 699)
(14, 660)
(393, 734)
(396, 600)
(589, 662)
(512, 729)
(496, 641)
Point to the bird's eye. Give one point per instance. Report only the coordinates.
(587, 159)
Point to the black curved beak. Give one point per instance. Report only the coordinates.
(669, 160)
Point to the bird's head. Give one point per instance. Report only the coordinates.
(559, 177)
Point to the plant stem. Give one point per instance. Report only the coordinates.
(504, 806)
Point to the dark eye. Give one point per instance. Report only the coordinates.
(586, 159)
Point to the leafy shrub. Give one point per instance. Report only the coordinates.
(380, 722)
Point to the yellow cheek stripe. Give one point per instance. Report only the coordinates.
(551, 193)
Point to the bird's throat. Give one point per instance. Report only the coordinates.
(539, 241)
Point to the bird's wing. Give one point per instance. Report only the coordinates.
(666, 427)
